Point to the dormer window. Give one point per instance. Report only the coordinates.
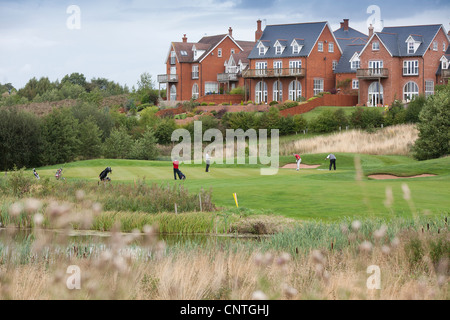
(278, 49)
(444, 64)
(297, 46)
(411, 47)
(262, 49)
(375, 46)
(355, 61)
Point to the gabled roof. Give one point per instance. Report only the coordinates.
(344, 65)
(350, 37)
(308, 32)
(394, 39)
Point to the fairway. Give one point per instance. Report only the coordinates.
(307, 194)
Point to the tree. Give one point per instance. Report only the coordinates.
(90, 137)
(434, 124)
(60, 133)
(118, 145)
(414, 109)
(20, 139)
(75, 78)
(145, 148)
(164, 130)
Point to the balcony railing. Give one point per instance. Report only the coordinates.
(446, 73)
(373, 73)
(167, 78)
(225, 77)
(274, 73)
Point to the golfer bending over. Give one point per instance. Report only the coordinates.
(298, 160)
(332, 158)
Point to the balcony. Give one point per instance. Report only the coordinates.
(167, 78)
(225, 77)
(445, 73)
(274, 73)
(374, 73)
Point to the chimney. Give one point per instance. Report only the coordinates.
(345, 24)
(184, 38)
(258, 32)
(230, 32)
(370, 31)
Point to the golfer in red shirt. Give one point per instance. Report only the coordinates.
(298, 160)
(176, 170)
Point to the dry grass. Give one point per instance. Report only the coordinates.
(393, 140)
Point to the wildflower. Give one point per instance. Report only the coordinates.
(15, 209)
(38, 219)
(366, 246)
(259, 259)
(97, 208)
(386, 250)
(318, 258)
(289, 291)
(380, 233)
(395, 242)
(259, 295)
(283, 258)
(79, 195)
(32, 205)
(356, 225)
(344, 229)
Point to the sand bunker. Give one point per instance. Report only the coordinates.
(388, 176)
(302, 166)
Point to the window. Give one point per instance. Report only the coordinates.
(278, 67)
(295, 67)
(278, 49)
(195, 72)
(261, 92)
(277, 91)
(219, 53)
(232, 51)
(320, 46)
(295, 49)
(331, 47)
(262, 49)
(211, 87)
(355, 65)
(411, 47)
(172, 57)
(410, 91)
(411, 68)
(295, 90)
(173, 73)
(429, 88)
(318, 86)
(261, 68)
(355, 84)
(444, 65)
(375, 46)
(375, 94)
(435, 46)
(195, 91)
(444, 47)
(334, 64)
(376, 67)
(173, 93)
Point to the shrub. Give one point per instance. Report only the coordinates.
(273, 103)
(204, 104)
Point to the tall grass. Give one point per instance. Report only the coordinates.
(392, 140)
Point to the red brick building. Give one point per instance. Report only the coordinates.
(400, 63)
(290, 61)
(212, 65)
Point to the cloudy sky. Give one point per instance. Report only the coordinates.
(121, 39)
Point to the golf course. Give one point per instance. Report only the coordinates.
(311, 193)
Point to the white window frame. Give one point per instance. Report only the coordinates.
(219, 53)
(232, 51)
(295, 49)
(278, 50)
(429, 88)
(295, 67)
(211, 87)
(444, 65)
(411, 47)
(355, 64)
(318, 86)
(195, 73)
(411, 67)
(408, 93)
(261, 92)
(173, 92)
(355, 84)
(295, 90)
(278, 91)
(435, 46)
(173, 56)
(334, 65)
(331, 47)
(444, 46)
(261, 67)
(278, 67)
(375, 46)
(320, 46)
(195, 91)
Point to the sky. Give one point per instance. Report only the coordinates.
(122, 39)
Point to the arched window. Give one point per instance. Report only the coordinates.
(173, 93)
(295, 90)
(410, 90)
(261, 92)
(277, 91)
(195, 91)
(375, 94)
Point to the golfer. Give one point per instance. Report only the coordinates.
(332, 158)
(208, 161)
(298, 160)
(176, 171)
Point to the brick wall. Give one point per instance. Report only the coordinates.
(338, 100)
(221, 98)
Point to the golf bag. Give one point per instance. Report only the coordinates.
(36, 174)
(104, 174)
(181, 175)
(58, 174)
